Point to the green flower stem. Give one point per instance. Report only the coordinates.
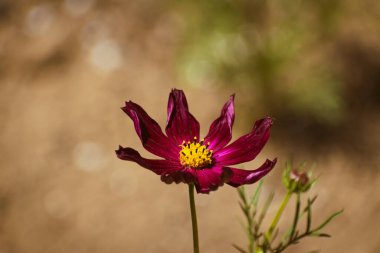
(193, 218)
(278, 216)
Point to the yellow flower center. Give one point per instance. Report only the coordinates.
(195, 154)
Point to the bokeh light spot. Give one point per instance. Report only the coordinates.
(106, 55)
(39, 20)
(89, 156)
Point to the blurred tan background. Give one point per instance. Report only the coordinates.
(67, 66)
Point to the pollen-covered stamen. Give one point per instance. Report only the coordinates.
(195, 154)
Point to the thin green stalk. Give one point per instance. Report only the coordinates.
(250, 233)
(278, 216)
(296, 216)
(193, 219)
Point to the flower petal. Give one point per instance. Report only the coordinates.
(183, 175)
(150, 133)
(160, 167)
(220, 132)
(240, 177)
(247, 147)
(210, 179)
(180, 125)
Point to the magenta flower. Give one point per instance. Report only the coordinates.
(204, 163)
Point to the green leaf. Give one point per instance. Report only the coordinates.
(302, 165)
(253, 213)
(244, 209)
(274, 235)
(265, 209)
(239, 249)
(308, 220)
(241, 191)
(321, 235)
(313, 182)
(327, 221)
(309, 204)
(256, 195)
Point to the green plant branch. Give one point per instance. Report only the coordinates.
(314, 232)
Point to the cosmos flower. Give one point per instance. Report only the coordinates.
(189, 159)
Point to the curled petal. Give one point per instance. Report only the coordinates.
(220, 132)
(180, 124)
(181, 176)
(210, 179)
(150, 133)
(247, 147)
(240, 177)
(160, 167)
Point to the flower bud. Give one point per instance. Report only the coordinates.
(297, 180)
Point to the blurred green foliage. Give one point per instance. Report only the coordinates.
(274, 47)
(311, 64)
